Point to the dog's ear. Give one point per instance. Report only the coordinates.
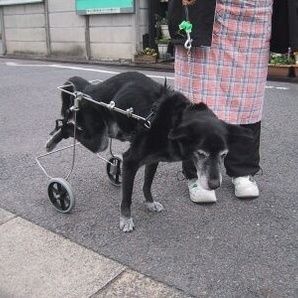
(185, 132)
(178, 133)
(235, 132)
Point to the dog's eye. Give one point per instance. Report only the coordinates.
(202, 154)
(223, 154)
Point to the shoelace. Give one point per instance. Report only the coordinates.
(194, 185)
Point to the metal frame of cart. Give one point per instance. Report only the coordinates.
(60, 192)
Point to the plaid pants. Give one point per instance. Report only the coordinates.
(230, 77)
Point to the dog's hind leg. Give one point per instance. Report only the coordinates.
(59, 133)
(151, 205)
(54, 140)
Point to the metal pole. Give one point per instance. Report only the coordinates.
(151, 23)
(87, 38)
(2, 24)
(47, 28)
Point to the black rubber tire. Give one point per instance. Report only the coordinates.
(61, 195)
(114, 170)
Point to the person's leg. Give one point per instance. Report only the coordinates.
(244, 155)
(189, 170)
(242, 162)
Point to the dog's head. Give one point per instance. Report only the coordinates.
(205, 140)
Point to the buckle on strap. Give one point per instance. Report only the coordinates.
(150, 117)
(60, 123)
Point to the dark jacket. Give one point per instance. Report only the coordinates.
(202, 13)
(284, 26)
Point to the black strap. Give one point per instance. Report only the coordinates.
(60, 124)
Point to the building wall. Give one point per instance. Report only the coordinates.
(54, 29)
(66, 29)
(25, 29)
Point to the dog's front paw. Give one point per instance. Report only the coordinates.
(126, 224)
(154, 206)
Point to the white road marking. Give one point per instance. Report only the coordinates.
(77, 68)
(61, 66)
(277, 87)
(282, 88)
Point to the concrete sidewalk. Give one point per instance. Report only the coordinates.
(35, 262)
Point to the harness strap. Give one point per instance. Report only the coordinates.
(148, 120)
(60, 124)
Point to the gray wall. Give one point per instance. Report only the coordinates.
(53, 29)
(66, 29)
(24, 27)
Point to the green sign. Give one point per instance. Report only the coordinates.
(104, 6)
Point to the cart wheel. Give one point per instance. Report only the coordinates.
(114, 170)
(61, 195)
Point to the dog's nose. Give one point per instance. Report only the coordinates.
(214, 183)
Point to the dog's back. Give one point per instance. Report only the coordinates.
(128, 90)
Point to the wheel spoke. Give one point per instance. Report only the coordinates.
(55, 190)
(114, 170)
(63, 197)
(62, 203)
(118, 172)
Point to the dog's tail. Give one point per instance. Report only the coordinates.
(71, 85)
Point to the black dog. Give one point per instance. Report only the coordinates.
(179, 131)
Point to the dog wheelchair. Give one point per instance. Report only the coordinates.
(59, 190)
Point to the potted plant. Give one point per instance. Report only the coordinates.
(146, 56)
(280, 64)
(162, 45)
(162, 27)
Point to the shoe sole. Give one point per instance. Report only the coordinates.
(247, 197)
(203, 202)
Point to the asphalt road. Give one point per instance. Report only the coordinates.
(234, 248)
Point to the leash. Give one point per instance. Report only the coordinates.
(186, 25)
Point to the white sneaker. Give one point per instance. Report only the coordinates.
(245, 187)
(198, 194)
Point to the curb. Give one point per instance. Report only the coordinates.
(36, 262)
